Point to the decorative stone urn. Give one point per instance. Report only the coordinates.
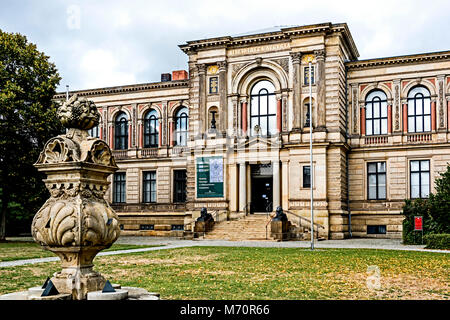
(76, 222)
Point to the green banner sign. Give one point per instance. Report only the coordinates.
(210, 177)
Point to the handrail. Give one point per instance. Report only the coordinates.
(303, 218)
(246, 207)
(270, 220)
(269, 204)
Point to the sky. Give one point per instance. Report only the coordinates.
(101, 43)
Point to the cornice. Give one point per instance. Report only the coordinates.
(423, 57)
(280, 35)
(126, 89)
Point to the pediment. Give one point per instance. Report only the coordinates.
(260, 143)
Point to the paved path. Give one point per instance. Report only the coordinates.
(171, 243)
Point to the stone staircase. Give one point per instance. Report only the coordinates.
(252, 227)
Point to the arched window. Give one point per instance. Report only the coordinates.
(263, 108)
(121, 132)
(181, 126)
(419, 110)
(376, 113)
(151, 129)
(213, 118)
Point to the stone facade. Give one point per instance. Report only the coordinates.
(222, 73)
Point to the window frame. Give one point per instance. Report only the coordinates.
(119, 187)
(177, 197)
(381, 103)
(377, 174)
(420, 177)
(415, 116)
(267, 116)
(306, 75)
(181, 118)
(210, 82)
(304, 184)
(147, 193)
(121, 132)
(149, 134)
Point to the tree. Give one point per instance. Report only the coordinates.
(440, 203)
(27, 120)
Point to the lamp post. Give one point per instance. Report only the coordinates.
(311, 171)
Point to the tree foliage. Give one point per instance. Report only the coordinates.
(27, 120)
(435, 211)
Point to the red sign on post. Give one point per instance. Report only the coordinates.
(418, 223)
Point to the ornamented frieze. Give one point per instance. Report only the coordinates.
(283, 63)
(396, 107)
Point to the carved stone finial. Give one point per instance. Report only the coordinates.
(78, 113)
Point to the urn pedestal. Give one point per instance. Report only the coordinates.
(76, 222)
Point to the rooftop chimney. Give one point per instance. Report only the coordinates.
(179, 75)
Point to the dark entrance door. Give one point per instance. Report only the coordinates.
(261, 188)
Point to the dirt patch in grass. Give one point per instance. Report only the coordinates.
(177, 260)
(401, 286)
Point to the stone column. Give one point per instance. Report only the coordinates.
(298, 115)
(242, 186)
(201, 69)
(133, 126)
(244, 106)
(235, 103)
(433, 116)
(448, 115)
(284, 112)
(223, 96)
(171, 137)
(165, 124)
(285, 184)
(389, 120)
(355, 106)
(320, 86)
(233, 187)
(279, 114)
(440, 111)
(276, 183)
(363, 121)
(111, 135)
(405, 118)
(141, 134)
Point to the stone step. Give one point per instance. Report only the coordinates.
(248, 228)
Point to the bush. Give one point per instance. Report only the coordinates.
(435, 212)
(437, 241)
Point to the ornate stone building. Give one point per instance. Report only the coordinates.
(232, 134)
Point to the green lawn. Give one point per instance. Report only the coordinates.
(263, 273)
(29, 250)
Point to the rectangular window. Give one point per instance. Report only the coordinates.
(213, 85)
(149, 186)
(306, 177)
(381, 229)
(177, 227)
(306, 75)
(119, 184)
(179, 186)
(420, 178)
(376, 180)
